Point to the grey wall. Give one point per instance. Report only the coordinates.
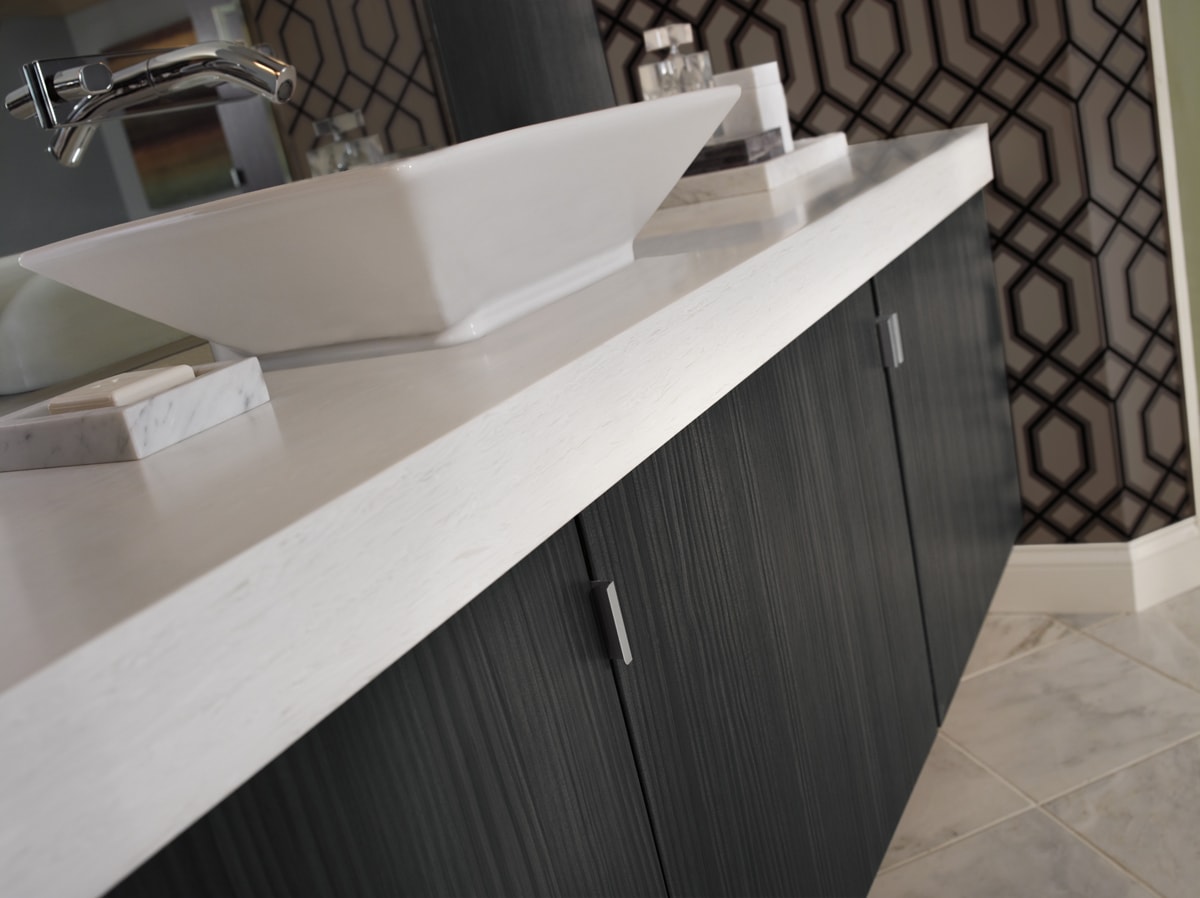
(40, 200)
(1181, 32)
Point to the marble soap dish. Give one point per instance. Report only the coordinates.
(35, 438)
(808, 155)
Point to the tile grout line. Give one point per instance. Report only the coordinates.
(1070, 628)
(1146, 664)
(1096, 849)
(1000, 664)
(1040, 806)
(956, 839)
(1120, 768)
(1024, 654)
(1036, 802)
(1031, 803)
(1100, 642)
(1031, 799)
(1104, 616)
(1103, 620)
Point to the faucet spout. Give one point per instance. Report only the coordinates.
(156, 85)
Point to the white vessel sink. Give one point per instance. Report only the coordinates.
(428, 251)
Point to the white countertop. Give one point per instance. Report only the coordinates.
(168, 626)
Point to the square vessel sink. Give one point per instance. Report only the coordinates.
(428, 251)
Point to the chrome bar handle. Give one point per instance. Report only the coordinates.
(608, 609)
(890, 342)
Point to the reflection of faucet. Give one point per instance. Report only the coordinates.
(100, 96)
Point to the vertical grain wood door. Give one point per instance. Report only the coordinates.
(779, 697)
(954, 429)
(491, 760)
(504, 64)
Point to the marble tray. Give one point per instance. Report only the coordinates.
(34, 438)
(808, 155)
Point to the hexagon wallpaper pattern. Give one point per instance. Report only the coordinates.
(1076, 211)
(365, 54)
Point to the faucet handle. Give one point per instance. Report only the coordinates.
(44, 88)
(87, 80)
(19, 103)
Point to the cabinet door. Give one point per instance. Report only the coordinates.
(503, 64)
(954, 428)
(779, 697)
(491, 760)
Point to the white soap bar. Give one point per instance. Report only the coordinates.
(123, 389)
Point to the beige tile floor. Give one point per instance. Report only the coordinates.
(1068, 765)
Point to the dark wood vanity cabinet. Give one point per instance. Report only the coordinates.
(954, 429)
(490, 760)
(787, 567)
(779, 698)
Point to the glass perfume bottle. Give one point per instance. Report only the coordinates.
(673, 72)
(345, 152)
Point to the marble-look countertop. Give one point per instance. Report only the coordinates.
(168, 626)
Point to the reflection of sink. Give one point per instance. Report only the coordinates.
(49, 333)
(445, 246)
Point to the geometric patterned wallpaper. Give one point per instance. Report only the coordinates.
(1076, 211)
(351, 55)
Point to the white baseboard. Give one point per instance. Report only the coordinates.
(1102, 577)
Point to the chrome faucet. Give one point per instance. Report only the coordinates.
(75, 98)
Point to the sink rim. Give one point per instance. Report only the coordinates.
(440, 230)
